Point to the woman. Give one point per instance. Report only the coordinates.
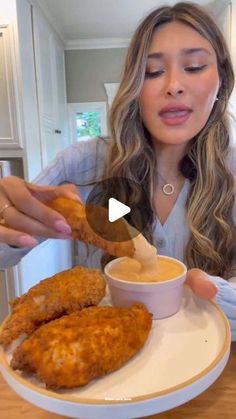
(170, 132)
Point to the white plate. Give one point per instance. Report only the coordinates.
(183, 356)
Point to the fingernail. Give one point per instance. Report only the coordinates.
(27, 241)
(62, 227)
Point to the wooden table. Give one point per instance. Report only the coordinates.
(218, 402)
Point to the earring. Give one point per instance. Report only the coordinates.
(216, 98)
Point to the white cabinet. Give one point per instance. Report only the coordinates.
(50, 74)
(32, 108)
(33, 111)
(48, 258)
(9, 132)
(8, 290)
(45, 260)
(47, 77)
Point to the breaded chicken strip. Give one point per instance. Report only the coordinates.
(75, 349)
(53, 297)
(77, 214)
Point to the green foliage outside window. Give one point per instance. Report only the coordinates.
(88, 124)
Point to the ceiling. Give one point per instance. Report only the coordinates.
(84, 20)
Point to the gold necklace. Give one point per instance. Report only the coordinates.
(168, 188)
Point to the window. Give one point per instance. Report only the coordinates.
(87, 120)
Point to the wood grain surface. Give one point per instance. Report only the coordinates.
(218, 402)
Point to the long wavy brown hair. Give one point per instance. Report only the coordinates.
(210, 201)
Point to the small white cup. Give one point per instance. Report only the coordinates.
(162, 299)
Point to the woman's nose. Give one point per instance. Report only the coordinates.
(174, 87)
(174, 92)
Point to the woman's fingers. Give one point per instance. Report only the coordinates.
(22, 222)
(16, 238)
(26, 214)
(48, 193)
(199, 283)
(29, 200)
(18, 230)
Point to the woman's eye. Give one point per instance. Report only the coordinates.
(190, 69)
(194, 69)
(153, 74)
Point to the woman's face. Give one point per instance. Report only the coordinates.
(180, 86)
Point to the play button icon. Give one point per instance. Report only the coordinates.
(116, 209)
(114, 201)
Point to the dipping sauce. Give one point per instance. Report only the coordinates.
(145, 253)
(129, 269)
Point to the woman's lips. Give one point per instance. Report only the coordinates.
(176, 117)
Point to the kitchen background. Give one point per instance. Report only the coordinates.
(60, 63)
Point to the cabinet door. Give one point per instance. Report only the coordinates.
(47, 259)
(4, 298)
(8, 290)
(60, 102)
(9, 137)
(44, 76)
(50, 74)
(50, 256)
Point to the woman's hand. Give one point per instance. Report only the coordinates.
(23, 213)
(198, 281)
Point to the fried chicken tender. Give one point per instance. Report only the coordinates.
(77, 214)
(75, 349)
(63, 293)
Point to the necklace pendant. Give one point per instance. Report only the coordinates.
(168, 189)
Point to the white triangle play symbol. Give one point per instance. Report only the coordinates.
(116, 209)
